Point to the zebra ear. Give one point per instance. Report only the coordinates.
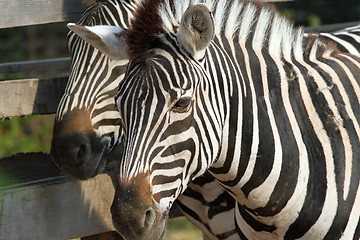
(110, 40)
(196, 30)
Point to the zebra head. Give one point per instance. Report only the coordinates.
(87, 122)
(158, 105)
(158, 101)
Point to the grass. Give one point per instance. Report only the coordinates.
(181, 229)
(26, 134)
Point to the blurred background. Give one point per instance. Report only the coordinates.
(34, 133)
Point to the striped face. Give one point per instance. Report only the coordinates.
(158, 108)
(87, 122)
(159, 104)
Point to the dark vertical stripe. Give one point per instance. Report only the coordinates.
(287, 181)
(357, 232)
(316, 188)
(266, 149)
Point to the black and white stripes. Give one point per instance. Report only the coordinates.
(252, 85)
(273, 115)
(88, 63)
(347, 39)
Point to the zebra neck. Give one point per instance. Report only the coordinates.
(262, 98)
(261, 28)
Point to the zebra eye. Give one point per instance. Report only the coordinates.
(182, 105)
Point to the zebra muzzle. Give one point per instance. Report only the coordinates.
(134, 214)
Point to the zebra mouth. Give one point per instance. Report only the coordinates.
(79, 155)
(135, 215)
(97, 160)
(102, 164)
(104, 161)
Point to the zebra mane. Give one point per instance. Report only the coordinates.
(243, 20)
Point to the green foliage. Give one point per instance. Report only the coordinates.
(5, 180)
(25, 134)
(314, 20)
(5, 76)
(287, 12)
(307, 18)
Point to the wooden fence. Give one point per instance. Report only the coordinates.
(43, 204)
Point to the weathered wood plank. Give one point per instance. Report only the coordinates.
(24, 169)
(53, 64)
(58, 211)
(30, 96)
(54, 208)
(29, 12)
(41, 203)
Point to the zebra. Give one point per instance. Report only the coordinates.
(86, 128)
(166, 119)
(226, 207)
(212, 209)
(208, 206)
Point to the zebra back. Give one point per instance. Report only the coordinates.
(346, 40)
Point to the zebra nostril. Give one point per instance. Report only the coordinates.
(149, 218)
(83, 153)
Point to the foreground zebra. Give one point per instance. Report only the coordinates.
(285, 103)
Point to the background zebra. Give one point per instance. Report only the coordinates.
(252, 218)
(87, 123)
(226, 208)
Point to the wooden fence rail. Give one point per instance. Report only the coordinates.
(54, 64)
(43, 204)
(40, 203)
(16, 13)
(30, 96)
